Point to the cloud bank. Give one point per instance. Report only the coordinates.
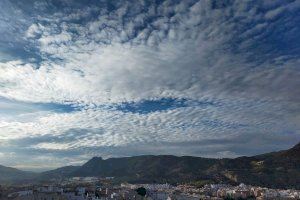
(123, 78)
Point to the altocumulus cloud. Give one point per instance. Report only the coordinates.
(123, 78)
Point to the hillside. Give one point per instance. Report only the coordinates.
(276, 170)
(148, 168)
(12, 175)
(58, 173)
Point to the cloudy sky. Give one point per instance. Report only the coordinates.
(118, 78)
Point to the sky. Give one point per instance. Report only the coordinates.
(116, 78)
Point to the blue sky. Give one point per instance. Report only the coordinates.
(122, 78)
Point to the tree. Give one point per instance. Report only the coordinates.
(141, 191)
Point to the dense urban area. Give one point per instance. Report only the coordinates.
(92, 188)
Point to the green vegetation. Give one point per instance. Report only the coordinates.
(201, 183)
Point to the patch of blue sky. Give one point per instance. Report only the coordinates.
(10, 107)
(159, 105)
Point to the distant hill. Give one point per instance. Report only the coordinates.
(12, 175)
(58, 173)
(277, 169)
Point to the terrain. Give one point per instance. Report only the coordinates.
(275, 170)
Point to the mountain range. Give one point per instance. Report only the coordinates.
(275, 170)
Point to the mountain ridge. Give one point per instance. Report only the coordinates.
(279, 169)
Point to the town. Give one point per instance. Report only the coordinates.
(94, 188)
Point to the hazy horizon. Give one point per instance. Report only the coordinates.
(203, 78)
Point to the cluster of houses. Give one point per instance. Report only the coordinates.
(89, 190)
(242, 191)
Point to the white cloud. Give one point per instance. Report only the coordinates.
(33, 30)
(190, 50)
